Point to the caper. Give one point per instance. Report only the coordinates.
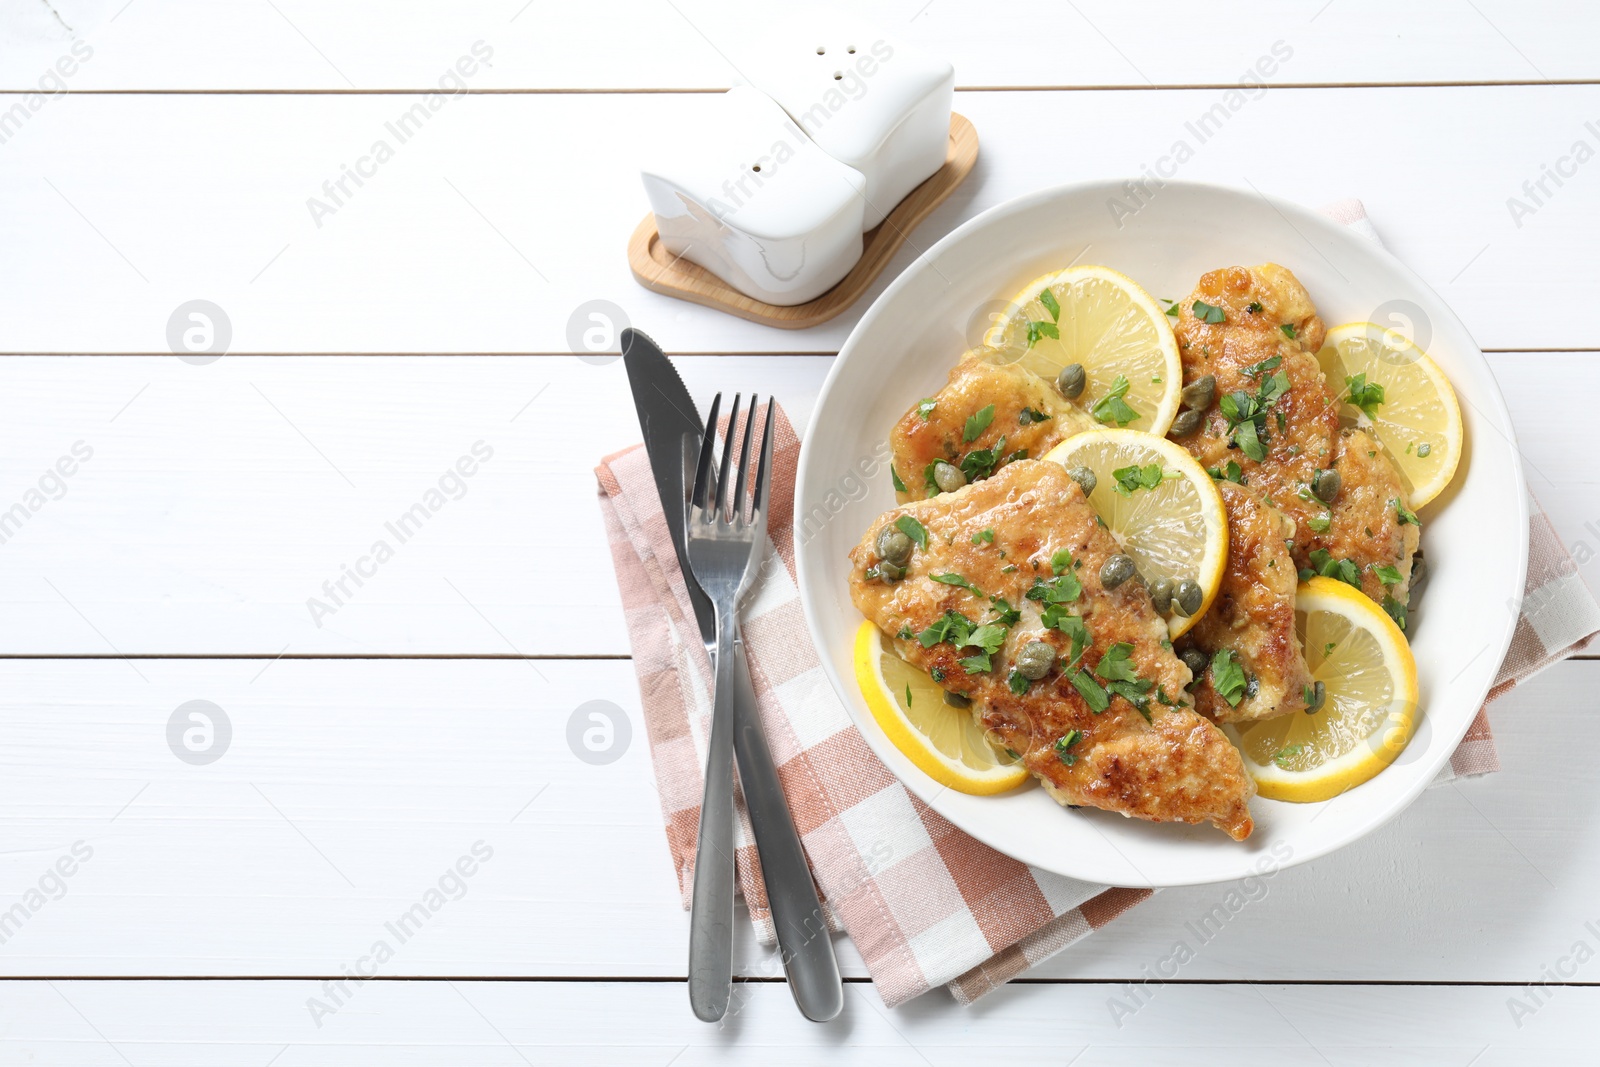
(1035, 659)
(948, 477)
(1161, 595)
(1194, 659)
(956, 700)
(1084, 477)
(1185, 424)
(889, 572)
(893, 545)
(1198, 394)
(1187, 597)
(1116, 570)
(1319, 696)
(1071, 380)
(1325, 485)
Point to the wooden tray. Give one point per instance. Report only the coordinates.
(656, 269)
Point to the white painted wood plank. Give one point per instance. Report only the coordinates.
(349, 788)
(294, 44)
(221, 1024)
(494, 222)
(219, 499)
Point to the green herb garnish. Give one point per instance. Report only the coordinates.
(1207, 313)
(1134, 477)
(1112, 408)
(1048, 299)
(977, 423)
(1227, 677)
(1365, 396)
(984, 536)
(925, 407)
(1066, 741)
(908, 525)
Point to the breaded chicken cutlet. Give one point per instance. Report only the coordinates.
(1272, 428)
(1013, 562)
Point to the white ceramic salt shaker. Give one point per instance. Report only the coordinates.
(749, 197)
(868, 99)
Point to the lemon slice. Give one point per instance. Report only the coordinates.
(1359, 654)
(945, 742)
(1175, 529)
(1418, 421)
(1104, 321)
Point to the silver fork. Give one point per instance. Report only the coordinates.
(724, 554)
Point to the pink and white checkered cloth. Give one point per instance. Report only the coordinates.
(926, 904)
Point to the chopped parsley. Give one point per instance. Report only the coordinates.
(1207, 313)
(1112, 408)
(1161, 695)
(1134, 477)
(1231, 473)
(1387, 575)
(1172, 307)
(1056, 617)
(1396, 610)
(937, 674)
(1247, 414)
(961, 632)
(1065, 742)
(1323, 563)
(1005, 614)
(1406, 514)
(1029, 416)
(1017, 683)
(1363, 395)
(1090, 690)
(1288, 330)
(1283, 755)
(908, 694)
(1037, 330)
(977, 423)
(959, 582)
(929, 482)
(899, 486)
(1116, 669)
(1266, 366)
(1048, 299)
(1062, 589)
(1254, 307)
(1060, 560)
(908, 525)
(925, 407)
(984, 536)
(980, 463)
(1227, 677)
(1320, 523)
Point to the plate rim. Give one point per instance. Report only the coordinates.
(929, 790)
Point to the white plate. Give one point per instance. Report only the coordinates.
(1475, 535)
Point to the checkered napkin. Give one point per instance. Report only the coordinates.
(926, 904)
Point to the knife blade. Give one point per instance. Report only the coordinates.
(672, 431)
(667, 416)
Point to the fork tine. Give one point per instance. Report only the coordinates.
(744, 461)
(727, 455)
(702, 468)
(764, 468)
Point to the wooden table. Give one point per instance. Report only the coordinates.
(213, 908)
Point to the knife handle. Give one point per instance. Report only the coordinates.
(803, 940)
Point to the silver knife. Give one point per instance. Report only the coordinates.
(667, 416)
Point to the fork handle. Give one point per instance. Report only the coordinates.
(711, 905)
(804, 944)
